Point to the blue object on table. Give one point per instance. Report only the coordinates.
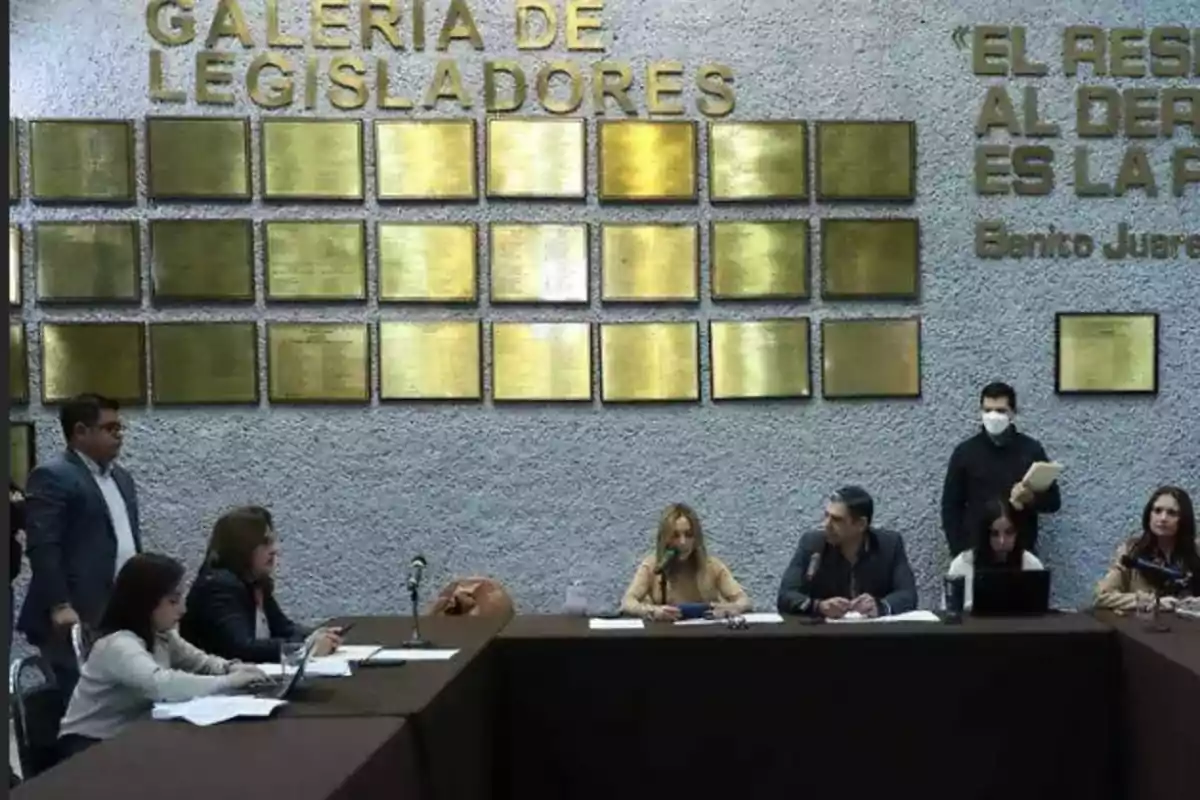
(694, 610)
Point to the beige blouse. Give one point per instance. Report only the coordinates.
(1118, 590)
(714, 584)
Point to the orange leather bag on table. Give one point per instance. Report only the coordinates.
(473, 597)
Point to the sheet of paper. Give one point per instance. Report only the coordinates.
(621, 624)
(908, 616)
(216, 709)
(753, 618)
(324, 667)
(402, 655)
(1042, 474)
(356, 652)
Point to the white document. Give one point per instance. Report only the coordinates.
(216, 708)
(753, 618)
(1042, 474)
(399, 656)
(907, 616)
(621, 624)
(356, 652)
(324, 667)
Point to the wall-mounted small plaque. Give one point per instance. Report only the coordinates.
(871, 358)
(647, 161)
(870, 259)
(427, 263)
(765, 260)
(14, 266)
(88, 262)
(14, 164)
(318, 362)
(191, 158)
(1106, 353)
(22, 451)
(758, 161)
(81, 160)
(316, 261)
(649, 362)
(425, 159)
(541, 361)
(760, 359)
(108, 359)
(539, 263)
(430, 360)
(194, 260)
(650, 263)
(312, 159)
(536, 158)
(201, 363)
(866, 161)
(18, 364)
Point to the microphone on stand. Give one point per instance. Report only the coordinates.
(814, 564)
(1169, 574)
(660, 569)
(416, 571)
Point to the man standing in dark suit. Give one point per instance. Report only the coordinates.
(81, 519)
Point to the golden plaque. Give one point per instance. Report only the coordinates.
(537, 158)
(198, 363)
(541, 361)
(425, 159)
(876, 259)
(194, 260)
(757, 161)
(430, 360)
(539, 263)
(427, 262)
(1106, 353)
(18, 364)
(318, 362)
(14, 164)
(649, 362)
(312, 159)
(198, 157)
(871, 358)
(759, 260)
(105, 358)
(649, 263)
(316, 261)
(647, 161)
(759, 359)
(82, 161)
(865, 161)
(14, 265)
(88, 262)
(22, 451)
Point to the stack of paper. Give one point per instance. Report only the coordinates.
(354, 653)
(217, 708)
(620, 624)
(401, 655)
(324, 667)
(908, 616)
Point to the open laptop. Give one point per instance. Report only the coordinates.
(1010, 593)
(280, 688)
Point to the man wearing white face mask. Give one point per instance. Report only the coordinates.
(991, 465)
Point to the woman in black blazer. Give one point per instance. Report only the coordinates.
(231, 608)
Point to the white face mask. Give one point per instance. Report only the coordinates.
(995, 422)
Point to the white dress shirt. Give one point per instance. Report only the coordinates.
(118, 513)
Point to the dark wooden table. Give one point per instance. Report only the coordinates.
(297, 759)
(983, 710)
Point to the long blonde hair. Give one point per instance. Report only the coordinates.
(697, 563)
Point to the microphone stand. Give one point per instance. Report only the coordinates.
(414, 639)
(1156, 624)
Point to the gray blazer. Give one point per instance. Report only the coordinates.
(882, 571)
(71, 543)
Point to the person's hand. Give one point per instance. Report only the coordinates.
(665, 613)
(833, 607)
(241, 678)
(22, 540)
(1021, 495)
(64, 617)
(1168, 603)
(326, 641)
(865, 605)
(241, 666)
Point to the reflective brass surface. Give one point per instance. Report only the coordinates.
(546, 361)
(14, 175)
(649, 361)
(539, 263)
(860, 160)
(430, 360)
(312, 159)
(758, 161)
(316, 261)
(642, 160)
(22, 451)
(14, 265)
(536, 158)
(759, 358)
(425, 159)
(421, 262)
(649, 263)
(317, 363)
(864, 358)
(105, 358)
(88, 261)
(18, 364)
(81, 160)
(759, 260)
(195, 363)
(870, 258)
(198, 157)
(1107, 353)
(194, 260)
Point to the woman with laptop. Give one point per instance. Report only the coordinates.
(1160, 560)
(141, 659)
(995, 547)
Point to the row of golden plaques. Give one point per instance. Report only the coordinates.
(191, 158)
(217, 362)
(213, 260)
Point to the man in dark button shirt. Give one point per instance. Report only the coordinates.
(991, 465)
(848, 566)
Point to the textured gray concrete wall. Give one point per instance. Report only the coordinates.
(541, 496)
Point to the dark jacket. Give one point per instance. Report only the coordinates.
(882, 571)
(983, 469)
(71, 541)
(16, 522)
(220, 619)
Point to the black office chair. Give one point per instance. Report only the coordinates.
(37, 709)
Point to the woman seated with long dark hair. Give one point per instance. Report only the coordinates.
(1167, 540)
(232, 609)
(140, 658)
(997, 546)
